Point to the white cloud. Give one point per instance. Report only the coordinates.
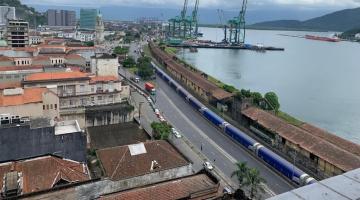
(203, 3)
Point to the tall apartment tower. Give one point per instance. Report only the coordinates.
(18, 33)
(88, 19)
(61, 18)
(6, 13)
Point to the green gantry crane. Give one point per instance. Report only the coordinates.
(183, 26)
(236, 27)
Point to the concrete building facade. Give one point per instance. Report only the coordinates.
(61, 17)
(6, 13)
(18, 33)
(30, 102)
(104, 65)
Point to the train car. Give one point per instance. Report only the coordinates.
(212, 117)
(239, 136)
(173, 84)
(195, 103)
(183, 93)
(281, 165)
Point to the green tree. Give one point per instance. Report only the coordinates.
(240, 172)
(161, 130)
(273, 101)
(129, 62)
(145, 69)
(121, 50)
(89, 44)
(257, 98)
(254, 181)
(229, 88)
(245, 93)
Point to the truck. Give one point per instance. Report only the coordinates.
(150, 88)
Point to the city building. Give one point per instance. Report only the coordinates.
(357, 36)
(36, 174)
(99, 30)
(23, 138)
(30, 102)
(323, 153)
(18, 33)
(6, 13)
(35, 38)
(102, 97)
(88, 18)
(61, 17)
(104, 65)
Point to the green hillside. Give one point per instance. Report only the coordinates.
(24, 12)
(338, 21)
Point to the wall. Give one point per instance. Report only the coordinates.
(25, 110)
(105, 67)
(51, 105)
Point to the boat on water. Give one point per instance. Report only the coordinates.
(326, 39)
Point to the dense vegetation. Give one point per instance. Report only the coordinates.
(121, 50)
(129, 62)
(161, 130)
(338, 21)
(24, 12)
(144, 68)
(350, 34)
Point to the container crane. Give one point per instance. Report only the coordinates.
(194, 23)
(221, 18)
(237, 27)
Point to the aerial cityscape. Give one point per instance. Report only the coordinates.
(170, 99)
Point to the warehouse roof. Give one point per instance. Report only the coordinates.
(55, 76)
(103, 79)
(136, 160)
(342, 187)
(45, 172)
(198, 185)
(331, 152)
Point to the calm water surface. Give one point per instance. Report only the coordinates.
(317, 82)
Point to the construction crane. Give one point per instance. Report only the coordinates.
(221, 18)
(237, 27)
(194, 23)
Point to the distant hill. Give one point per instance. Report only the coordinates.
(337, 21)
(24, 12)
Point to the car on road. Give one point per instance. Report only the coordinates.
(149, 99)
(162, 119)
(208, 165)
(157, 112)
(175, 133)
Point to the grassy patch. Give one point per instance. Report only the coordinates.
(171, 50)
(216, 82)
(289, 119)
(147, 50)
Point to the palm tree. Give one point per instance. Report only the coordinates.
(241, 172)
(254, 181)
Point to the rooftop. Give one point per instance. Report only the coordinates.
(316, 143)
(342, 187)
(116, 135)
(103, 79)
(66, 127)
(26, 96)
(55, 76)
(9, 85)
(118, 162)
(45, 172)
(183, 188)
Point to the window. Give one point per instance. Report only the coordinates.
(47, 107)
(8, 76)
(99, 98)
(92, 99)
(43, 107)
(55, 106)
(71, 102)
(51, 106)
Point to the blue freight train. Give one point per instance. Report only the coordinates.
(275, 161)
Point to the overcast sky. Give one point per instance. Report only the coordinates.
(305, 4)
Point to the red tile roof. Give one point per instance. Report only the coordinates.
(19, 68)
(199, 186)
(44, 172)
(120, 164)
(48, 76)
(30, 95)
(332, 152)
(96, 79)
(9, 85)
(5, 58)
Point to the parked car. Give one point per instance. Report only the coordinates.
(149, 100)
(162, 119)
(208, 165)
(176, 133)
(157, 112)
